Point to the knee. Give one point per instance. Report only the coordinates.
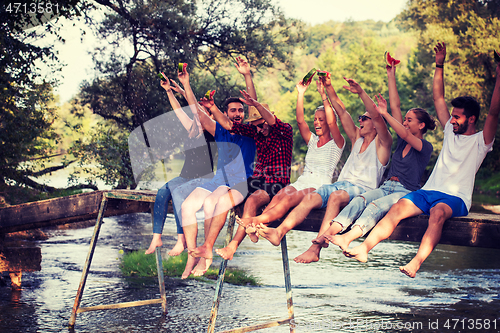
(437, 216)
(338, 198)
(209, 202)
(311, 200)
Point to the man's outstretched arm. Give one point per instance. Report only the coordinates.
(491, 123)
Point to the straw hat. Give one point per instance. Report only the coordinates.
(254, 114)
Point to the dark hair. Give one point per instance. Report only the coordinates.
(424, 117)
(228, 101)
(469, 104)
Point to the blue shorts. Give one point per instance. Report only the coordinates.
(425, 200)
(325, 190)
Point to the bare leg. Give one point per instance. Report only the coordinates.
(344, 240)
(438, 215)
(254, 202)
(336, 200)
(225, 202)
(189, 208)
(404, 208)
(156, 242)
(296, 217)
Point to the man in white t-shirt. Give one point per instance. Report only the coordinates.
(448, 192)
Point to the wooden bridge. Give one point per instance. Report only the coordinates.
(479, 230)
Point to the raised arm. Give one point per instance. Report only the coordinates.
(299, 112)
(207, 123)
(350, 128)
(331, 118)
(403, 133)
(265, 113)
(442, 111)
(244, 68)
(220, 117)
(179, 112)
(394, 101)
(491, 123)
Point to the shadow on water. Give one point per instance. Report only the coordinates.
(335, 294)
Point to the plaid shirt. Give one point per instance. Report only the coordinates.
(274, 152)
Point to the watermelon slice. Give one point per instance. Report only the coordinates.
(160, 75)
(182, 65)
(497, 56)
(308, 78)
(389, 59)
(322, 73)
(210, 94)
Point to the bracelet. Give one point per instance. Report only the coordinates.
(439, 66)
(325, 99)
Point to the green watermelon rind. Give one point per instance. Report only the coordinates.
(180, 67)
(160, 75)
(496, 55)
(322, 73)
(309, 76)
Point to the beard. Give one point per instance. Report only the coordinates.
(462, 128)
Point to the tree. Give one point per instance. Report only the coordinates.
(157, 35)
(26, 104)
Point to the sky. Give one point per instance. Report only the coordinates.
(79, 67)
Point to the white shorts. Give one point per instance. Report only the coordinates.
(308, 181)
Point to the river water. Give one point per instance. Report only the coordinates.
(456, 290)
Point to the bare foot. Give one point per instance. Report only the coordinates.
(271, 234)
(251, 231)
(179, 246)
(311, 255)
(227, 252)
(339, 240)
(202, 267)
(191, 262)
(357, 253)
(334, 229)
(410, 269)
(321, 240)
(156, 242)
(202, 251)
(249, 228)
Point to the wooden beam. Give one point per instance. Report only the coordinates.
(477, 230)
(73, 208)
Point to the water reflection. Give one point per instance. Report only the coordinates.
(454, 282)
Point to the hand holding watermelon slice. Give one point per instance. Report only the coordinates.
(390, 60)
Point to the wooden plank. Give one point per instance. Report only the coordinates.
(74, 208)
(477, 230)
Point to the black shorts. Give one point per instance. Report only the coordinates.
(255, 184)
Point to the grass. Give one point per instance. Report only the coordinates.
(142, 265)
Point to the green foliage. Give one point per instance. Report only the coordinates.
(27, 110)
(139, 264)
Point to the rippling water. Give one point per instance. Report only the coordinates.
(336, 294)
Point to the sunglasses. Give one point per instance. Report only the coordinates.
(261, 126)
(363, 118)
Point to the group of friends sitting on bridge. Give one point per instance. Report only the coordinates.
(358, 202)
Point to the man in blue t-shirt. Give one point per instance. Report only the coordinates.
(236, 155)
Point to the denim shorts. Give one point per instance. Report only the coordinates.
(325, 190)
(425, 200)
